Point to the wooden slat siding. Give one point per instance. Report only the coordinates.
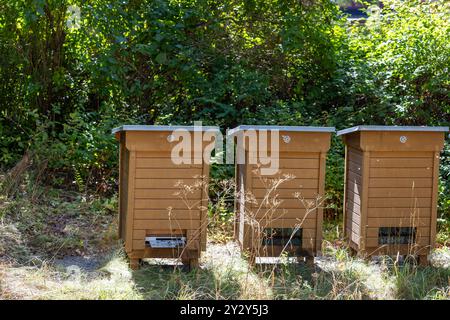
(319, 218)
(167, 194)
(176, 214)
(156, 180)
(356, 227)
(236, 207)
(345, 216)
(204, 210)
(283, 213)
(421, 232)
(373, 242)
(353, 197)
(401, 198)
(389, 141)
(240, 199)
(246, 233)
(399, 192)
(354, 167)
(138, 244)
(434, 195)
(167, 155)
(193, 241)
(294, 213)
(130, 201)
(298, 155)
(401, 154)
(286, 193)
(373, 222)
(356, 218)
(307, 167)
(161, 183)
(297, 163)
(399, 212)
(295, 173)
(353, 190)
(192, 204)
(354, 177)
(308, 234)
(365, 198)
(353, 228)
(355, 208)
(294, 201)
(355, 154)
(123, 186)
(399, 189)
(167, 232)
(292, 183)
(162, 163)
(286, 204)
(401, 162)
(153, 197)
(355, 238)
(399, 202)
(175, 173)
(397, 249)
(348, 227)
(401, 173)
(286, 223)
(357, 174)
(406, 182)
(139, 234)
(166, 224)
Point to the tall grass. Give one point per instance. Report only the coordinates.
(224, 272)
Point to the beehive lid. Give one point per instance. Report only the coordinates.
(392, 128)
(281, 128)
(163, 128)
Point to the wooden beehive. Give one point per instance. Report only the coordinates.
(154, 205)
(287, 218)
(391, 188)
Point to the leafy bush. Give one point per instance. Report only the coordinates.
(62, 89)
(396, 67)
(444, 189)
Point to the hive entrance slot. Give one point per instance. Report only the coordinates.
(165, 242)
(397, 235)
(282, 236)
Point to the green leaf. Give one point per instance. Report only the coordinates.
(161, 58)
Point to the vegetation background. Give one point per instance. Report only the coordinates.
(71, 70)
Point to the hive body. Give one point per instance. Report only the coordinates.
(287, 218)
(391, 188)
(153, 202)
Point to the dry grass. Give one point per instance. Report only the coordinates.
(112, 281)
(33, 229)
(224, 274)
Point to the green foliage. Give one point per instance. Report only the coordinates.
(396, 66)
(179, 61)
(335, 178)
(444, 188)
(63, 88)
